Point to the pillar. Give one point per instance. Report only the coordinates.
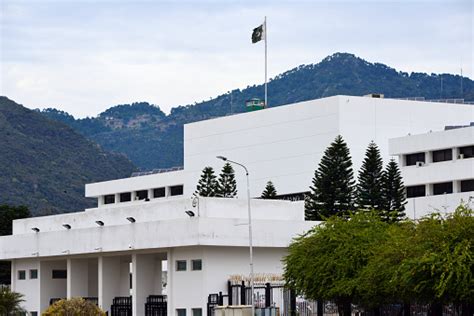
(78, 278)
(111, 281)
(143, 280)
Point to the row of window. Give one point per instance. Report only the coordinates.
(143, 194)
(56, 274)
(439, 155)
(194, 312)
(439, 188)
(182, 265)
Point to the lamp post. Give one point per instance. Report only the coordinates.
(250, 227)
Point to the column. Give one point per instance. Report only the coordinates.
(78, 278)
(109, 281)
(143, 281)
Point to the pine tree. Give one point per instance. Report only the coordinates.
(270, 192)
(369, 186)
(226, 185)
(393, 193)
(332, 191)
(207, 185)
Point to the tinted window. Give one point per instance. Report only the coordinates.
(442, 188)
(159, 192)
(196, 265)
(180, 312)
(33, 274)
(180, 265)
(59, 274)
(176, 190)
(467, 185)
(125, 197)
(197, 311)
(109, 199)
(141, 195)
(21, 275)
(416, 191)
(467, 151)
(412, 159)
(442, 155)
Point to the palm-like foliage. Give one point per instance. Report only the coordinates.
(10, 302)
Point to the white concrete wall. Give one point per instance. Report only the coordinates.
(162, 210)
(114, 279)
(446, 203)
(30, 288)
(281, 144)
(49, 287)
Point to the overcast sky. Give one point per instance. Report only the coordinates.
(84, 56)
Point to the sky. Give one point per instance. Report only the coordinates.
(84, 56)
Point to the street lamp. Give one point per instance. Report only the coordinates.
(250, 227)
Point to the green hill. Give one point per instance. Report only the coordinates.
(153, 140)
(44, 164)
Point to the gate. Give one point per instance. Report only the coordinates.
(156, 305)
(121, 306)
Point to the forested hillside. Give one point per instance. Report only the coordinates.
(45, 164)
(153, 140)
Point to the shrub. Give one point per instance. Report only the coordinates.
(76, 306)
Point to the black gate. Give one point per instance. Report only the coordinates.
(121, 306)
(156, 305)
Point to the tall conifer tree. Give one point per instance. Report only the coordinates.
(226, 185)
(369, 186)
(207, 185)
(270, 192)
(332, 191)
(393, 193)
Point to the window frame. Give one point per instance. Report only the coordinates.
(177, 262)
(466, 185)
(193, 310)
(183, 310)
(414, 187)
(446, 155)
(31, 274)
(195, 261)
(125, 197)
(59, 274)
(444, 190)
(21, 275)
(412, 159)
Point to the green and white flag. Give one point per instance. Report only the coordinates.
(258, 33)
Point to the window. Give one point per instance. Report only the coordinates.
(442, 155)
(412, 159)
(442, 188)
(176, 190)
(34, 313)
(21, 275)
(196, 265)
(125, 197)
(180, 265)
(416, 191)
(467, 152)
(33, 274)
(159, 192)
(180, 312)
(196, 312)
(467, 185)
(109, 199)
(59, 274)
(141, 195)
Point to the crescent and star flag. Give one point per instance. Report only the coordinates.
(258, 34)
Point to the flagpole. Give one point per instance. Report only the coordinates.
(266, 35)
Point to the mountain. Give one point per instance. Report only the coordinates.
(152, 139)
(44, 164)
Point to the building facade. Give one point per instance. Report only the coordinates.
(148, 224)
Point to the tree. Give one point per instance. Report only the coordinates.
(333, 183)
(73, 307)
(393, 193)
(207, 185)
(227, 186)
(324, 263)
(7, 215)
(10, 302)
(369, 186)
(269, 192)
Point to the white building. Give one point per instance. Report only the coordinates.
(437, 169)
(140, 222)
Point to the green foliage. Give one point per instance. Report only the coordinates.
(227, 186)
(333, 184)
(207, 185)
(369, 186)
(366, 261)
(393, 193)
(270, 192)
(45, 164)
(73, 307)
(10, 302)
(152, 140)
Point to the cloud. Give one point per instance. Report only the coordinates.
(85, 56)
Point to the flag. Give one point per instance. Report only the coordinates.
(258, 34)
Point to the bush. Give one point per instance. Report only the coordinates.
(76, 306)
